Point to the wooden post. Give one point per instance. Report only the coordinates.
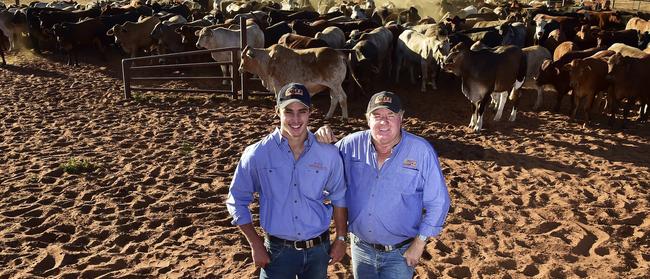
(126, 76)
(242, 45)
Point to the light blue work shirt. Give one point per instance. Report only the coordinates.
(291, 192)
(385, 206)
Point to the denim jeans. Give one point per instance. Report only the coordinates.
(287, 262)
(370, 263)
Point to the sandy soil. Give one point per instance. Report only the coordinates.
(542, 197)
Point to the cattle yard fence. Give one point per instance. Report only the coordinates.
(139, 69)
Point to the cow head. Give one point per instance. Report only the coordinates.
(204, 36)
(547, 72)
(441, 49)
(117, 31)
(539, 29)
(249, 62)
(454, 60)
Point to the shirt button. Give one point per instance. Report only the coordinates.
(295, 184)
(295, 201)
(370, 231)
(369, 214)
(295, 217)
(373, 195)
(298, 233)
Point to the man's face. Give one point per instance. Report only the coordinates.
(385, 126)
(293, 120)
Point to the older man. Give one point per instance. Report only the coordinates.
(294, 175)
(392, 175)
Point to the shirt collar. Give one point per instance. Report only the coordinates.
(277, 136)
(395, 148)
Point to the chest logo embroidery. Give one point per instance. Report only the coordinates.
(411, 164)
(317, 166)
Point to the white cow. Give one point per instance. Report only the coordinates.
(416, 48)
(333, 36)
(224, 38)
(319, 69)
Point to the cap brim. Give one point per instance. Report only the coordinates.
(381, 106)
(290, 101)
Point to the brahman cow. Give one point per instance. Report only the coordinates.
(535, 56)
(10, 28)
(415, 48)
(318, 69)
(480, 77)
(223, 38)
(333, 36)
(638, 24)
(373, 55)
(134, 36)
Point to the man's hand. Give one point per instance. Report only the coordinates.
(414, 252)
(324, 134)
(337, 251)
(260, 256)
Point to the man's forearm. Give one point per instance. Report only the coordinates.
(254, 240)
(341, 221)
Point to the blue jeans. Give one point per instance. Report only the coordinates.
(288, 262)
(370, 263)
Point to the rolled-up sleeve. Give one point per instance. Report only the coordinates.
(241, 191)
(436, 199)
(336, 183)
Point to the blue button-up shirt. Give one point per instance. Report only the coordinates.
(291, 192)
(385, 206)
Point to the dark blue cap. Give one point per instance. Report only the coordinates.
(293, 92)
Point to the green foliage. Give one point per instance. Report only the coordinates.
(187, 148)
(76, 166)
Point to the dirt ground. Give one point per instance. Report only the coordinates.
(541, 197)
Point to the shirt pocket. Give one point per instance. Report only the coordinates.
(360, 174)
(312, 183)
(272, 183)
(408, 180)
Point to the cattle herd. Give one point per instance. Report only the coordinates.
(497, 49)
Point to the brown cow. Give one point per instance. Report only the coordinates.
(602, 19)
(555, 74)
(586, 37)
(621, 68)
(587, 78)
(295, 41)
(564, 48)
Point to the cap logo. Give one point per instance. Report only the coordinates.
(294, 91)
(383, 99)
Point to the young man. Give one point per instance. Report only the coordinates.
(294, 175)
(392, 175)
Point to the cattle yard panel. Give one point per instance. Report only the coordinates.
(128, 69)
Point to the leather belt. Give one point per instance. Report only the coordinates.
(388, 248)
(302, 244)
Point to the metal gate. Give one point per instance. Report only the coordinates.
(134, 70)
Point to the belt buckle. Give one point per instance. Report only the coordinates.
(308, 244)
